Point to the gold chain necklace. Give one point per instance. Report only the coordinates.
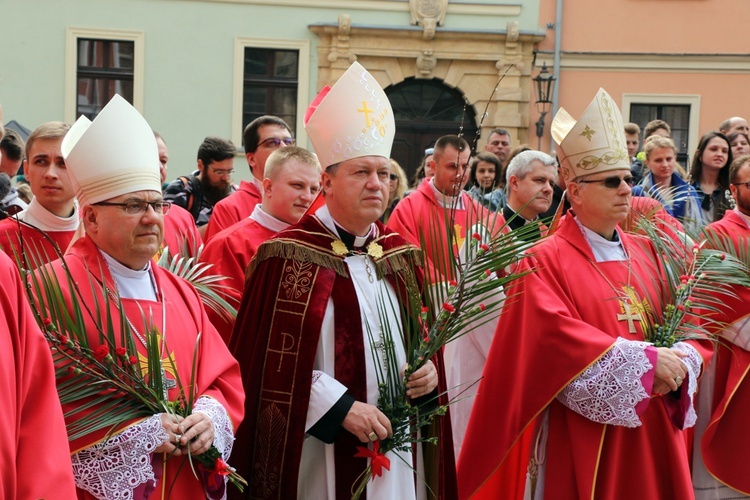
(382, 344)
(629, 309)
(166, 382)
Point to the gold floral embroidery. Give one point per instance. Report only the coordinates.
(374, 250)
(297, 279)
(339, 248)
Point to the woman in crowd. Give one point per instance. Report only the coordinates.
(484, 180)
(664, 184)
(740, 143)
(396, 189)
(709, 175)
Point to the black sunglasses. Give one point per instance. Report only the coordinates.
(612, 182)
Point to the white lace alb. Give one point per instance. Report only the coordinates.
(609, 390)
(116, 467)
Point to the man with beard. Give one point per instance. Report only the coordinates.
(199, 192)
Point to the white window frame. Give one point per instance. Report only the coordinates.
(71, 63)
(694, 101)
(303, 83)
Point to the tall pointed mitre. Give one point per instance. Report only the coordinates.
(595, 143)
(114, 155)
(351, 119)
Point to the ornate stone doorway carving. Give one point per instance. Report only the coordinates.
(425, 110)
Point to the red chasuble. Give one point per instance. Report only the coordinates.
(290, 282)
(19, 239)
(34, 456)
(179, 228)
(555, 325)
(234, 208)
(421, 214)
(726, 443)
(217, 371)
(230, 252)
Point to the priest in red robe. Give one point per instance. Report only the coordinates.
(569, 363)
(261, 137)
(114, 163)
(439, 205)
(180, 230)
(51, 218)
(722, 447)
(309, 333)
(292, 180)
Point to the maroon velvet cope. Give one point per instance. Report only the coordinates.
(275, 340)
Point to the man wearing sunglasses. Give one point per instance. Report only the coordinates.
(261, 137)
(199, 192)
(583, 393)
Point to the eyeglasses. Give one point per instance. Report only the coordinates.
(746, 184)
(275, 142)
(139, 207)
(220, 172)
(612, 182)
(394, 177)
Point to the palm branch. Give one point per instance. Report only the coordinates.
(697, 279)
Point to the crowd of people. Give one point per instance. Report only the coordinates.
(329, 258)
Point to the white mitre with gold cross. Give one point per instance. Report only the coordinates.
(594, 143)
(352, 119)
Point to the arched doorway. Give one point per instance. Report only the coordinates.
(425, 110)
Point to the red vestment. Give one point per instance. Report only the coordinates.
(217, 371)
(725, 445)
(179, 228)
(230, 251)
(34, 456)
(291, 281)
(554, 326)
(235, 207)
(420, 215)
(17, 238)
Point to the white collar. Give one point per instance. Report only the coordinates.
(446, 201)
(603, 249)
(266, 220)
(45, 220)
(325, 217)
(131, 283)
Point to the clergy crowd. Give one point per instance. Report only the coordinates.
(276, 356)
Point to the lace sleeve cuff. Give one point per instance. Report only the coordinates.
(609, 391)
(119, 465)
(223, 431)
(686, 403)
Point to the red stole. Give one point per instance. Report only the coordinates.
(276, 337)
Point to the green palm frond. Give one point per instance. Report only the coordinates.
(697, 280)
(190, 268)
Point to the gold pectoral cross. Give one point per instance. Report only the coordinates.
(629, 315)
